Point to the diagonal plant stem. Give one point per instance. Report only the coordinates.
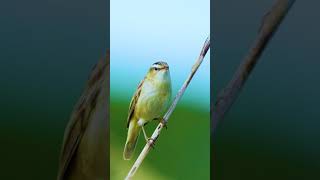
(157, 131)
(267, 29)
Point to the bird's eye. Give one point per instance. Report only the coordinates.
(157, 69)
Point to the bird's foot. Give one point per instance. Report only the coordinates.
(164, 123)
(151, 142)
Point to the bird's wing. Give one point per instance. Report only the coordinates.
(134, 101)
(82, 114)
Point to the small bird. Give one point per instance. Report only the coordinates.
(149, 102)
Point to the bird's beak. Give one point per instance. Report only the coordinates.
(165, 68)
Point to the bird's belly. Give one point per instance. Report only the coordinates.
(152, 105)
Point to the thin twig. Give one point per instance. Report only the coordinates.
(157, 131)
(230, 93)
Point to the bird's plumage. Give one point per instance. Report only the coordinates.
(134, 129)
(133, 102)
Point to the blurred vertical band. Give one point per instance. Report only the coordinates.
(269, 26)
(85, 149)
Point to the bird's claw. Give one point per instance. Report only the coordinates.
(151, 142)
(164, 123)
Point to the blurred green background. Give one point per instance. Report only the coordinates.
(272, 131)
(47, 51)
(142, 33)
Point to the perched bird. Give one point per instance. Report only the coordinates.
(85, 148)
(149, 102)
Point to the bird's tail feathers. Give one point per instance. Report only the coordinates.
(132, 138)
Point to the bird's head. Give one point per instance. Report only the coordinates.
(159, 70)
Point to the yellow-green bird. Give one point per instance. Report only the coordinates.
(149, 102)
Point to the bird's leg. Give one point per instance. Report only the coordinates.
(162, 121)
(150, 141)
(145, 134)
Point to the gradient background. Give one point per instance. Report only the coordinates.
(47, 51)
(49, 47)
(272, 131)
(143, 32)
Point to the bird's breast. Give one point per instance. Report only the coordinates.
(153, 100)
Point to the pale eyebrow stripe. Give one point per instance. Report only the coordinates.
(156, 65)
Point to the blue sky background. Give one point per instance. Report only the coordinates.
(143, 32)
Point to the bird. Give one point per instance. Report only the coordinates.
(85, 148)
(149, 102)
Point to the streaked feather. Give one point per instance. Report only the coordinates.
(133, 102)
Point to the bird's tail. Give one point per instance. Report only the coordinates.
(132, 137)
